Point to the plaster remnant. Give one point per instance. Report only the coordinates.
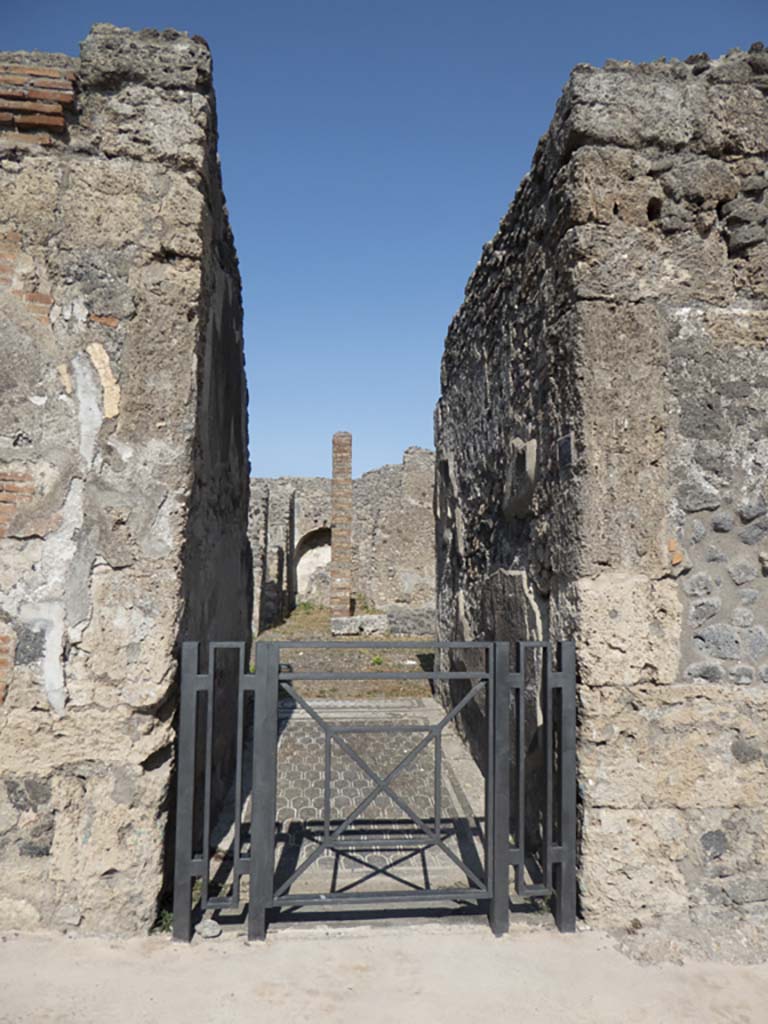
(66, 377)
(48, 619)
(89, 408)
(110, 387)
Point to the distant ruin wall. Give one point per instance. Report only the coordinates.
(393, 540)
(393, 561)
(602, 469)
(123, 463)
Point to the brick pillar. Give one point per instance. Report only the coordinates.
(341, 526)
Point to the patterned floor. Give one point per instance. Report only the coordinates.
(388, 842)
(345, 741)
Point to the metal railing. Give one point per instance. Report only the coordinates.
(256, 741)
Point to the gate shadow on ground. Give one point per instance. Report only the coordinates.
(308, 835)
(293, 842)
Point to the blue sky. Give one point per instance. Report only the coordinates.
(369, 148)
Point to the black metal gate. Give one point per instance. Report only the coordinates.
(496, 687)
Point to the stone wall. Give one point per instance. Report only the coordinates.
(283, 511)
(602, 469)
(123, 462)
(393, 540)
(393, 562)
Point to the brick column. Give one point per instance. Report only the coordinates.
(341, 526)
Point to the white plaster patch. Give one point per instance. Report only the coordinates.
(89, 407)
(125, 451)
(160, 538)
(45, 608)
(76, 311)
(48, 618)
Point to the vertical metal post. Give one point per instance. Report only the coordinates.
(490, 740)
(565, 880)
(185, 796)
(499, 708)
(263, 788)
(237, 849)
(208, 775)
(438, 795)
(520, 768)
(549, 766)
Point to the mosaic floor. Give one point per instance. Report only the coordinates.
(359, 755)
(389, 845)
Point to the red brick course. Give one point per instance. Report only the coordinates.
(32, 98)
(105, 321)
(38, 303)
(15, 488)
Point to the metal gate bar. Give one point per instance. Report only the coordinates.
(491, 888)
(558, 860)
(429, 838)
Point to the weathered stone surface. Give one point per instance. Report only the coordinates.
(359, 625)
(123, 472)
(705, 609)
(616, 326)
(208, 929)
(411, 621)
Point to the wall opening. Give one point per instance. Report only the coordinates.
(312, 558)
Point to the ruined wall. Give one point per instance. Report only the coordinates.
(393, 541)
(602, 468)
(123, 462)
(283, 511)
(393, 561)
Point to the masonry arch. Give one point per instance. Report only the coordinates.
(312, 555)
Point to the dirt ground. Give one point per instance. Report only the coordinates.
(447, 972)
(450, 971)
(309, 622)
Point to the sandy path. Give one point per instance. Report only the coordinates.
(456, 973)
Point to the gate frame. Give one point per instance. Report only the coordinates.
(558, 855)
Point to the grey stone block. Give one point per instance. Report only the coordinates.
(720, 641)
(756, 532)
(714, 843)
(359, 625)
(705, 609)
(743, 617)
(742, 572)
(742, 675)
(723, 522)
(753, 506)
(708, 670)
(698, 496)
(698, 584)
(746, 889)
